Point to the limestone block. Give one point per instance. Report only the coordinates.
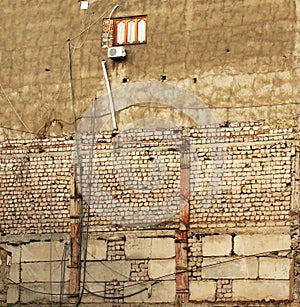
(274, 268)
(202, 290)
(40, 271)
(28, 296)
(163, 291)
(14, 272)
(108, 270)
(96, 250)
(158, 268)
(40, 251)
(98, 288)
(143, 248)
(259, 243)
(138, 248)
(163, 248)
(230, 268)
(12, 294)
(15, 252)
(260, 290)
(217, 245)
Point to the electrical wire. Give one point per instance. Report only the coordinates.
(10, 103)
(161, 278)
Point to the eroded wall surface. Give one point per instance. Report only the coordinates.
(238, 57)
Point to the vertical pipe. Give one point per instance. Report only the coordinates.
(71, 84)
(111, 103)
(75, 237)
(181, 241)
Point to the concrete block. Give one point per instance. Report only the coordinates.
(12, 294)
(15, 252)
(163, 248)
(40, 251)
(230, 268)
(138, 248)
(108, 271)
(14, 272)
(260, 243)
(96, 249)
(217, 245)
(164, 291)
(40, 271)
(203, 290)
(247, 290)
(98, 289)
(274, 268)
(158, 268)
(28, 296)
(144, 248)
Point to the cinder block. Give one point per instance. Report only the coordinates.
(108, 271)
(40, 251)
(96, 250)
(217, 245)
(249, 290)
(230, 268)
(154, 248)
(202, 290)
(260, 243)
(163, 291)
(274, 268)
(158, 268)
(15, 252)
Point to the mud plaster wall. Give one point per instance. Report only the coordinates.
(239, 58)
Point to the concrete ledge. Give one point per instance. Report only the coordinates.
(247, 290)
(203, 290)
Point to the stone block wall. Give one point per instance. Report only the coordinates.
(241, 267)
(239, 240)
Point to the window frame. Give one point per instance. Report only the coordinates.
(126, 20)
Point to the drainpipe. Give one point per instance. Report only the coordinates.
(181, 239)
(111, 103)
(75, 237)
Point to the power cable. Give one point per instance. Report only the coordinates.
(160, 278)
(10, 103)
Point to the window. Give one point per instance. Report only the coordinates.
(130, 30)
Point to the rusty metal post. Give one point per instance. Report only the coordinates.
(181, 241)
(75, 237)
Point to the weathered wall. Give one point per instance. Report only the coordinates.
(5, 264)
(240, 246)
(238, 57)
